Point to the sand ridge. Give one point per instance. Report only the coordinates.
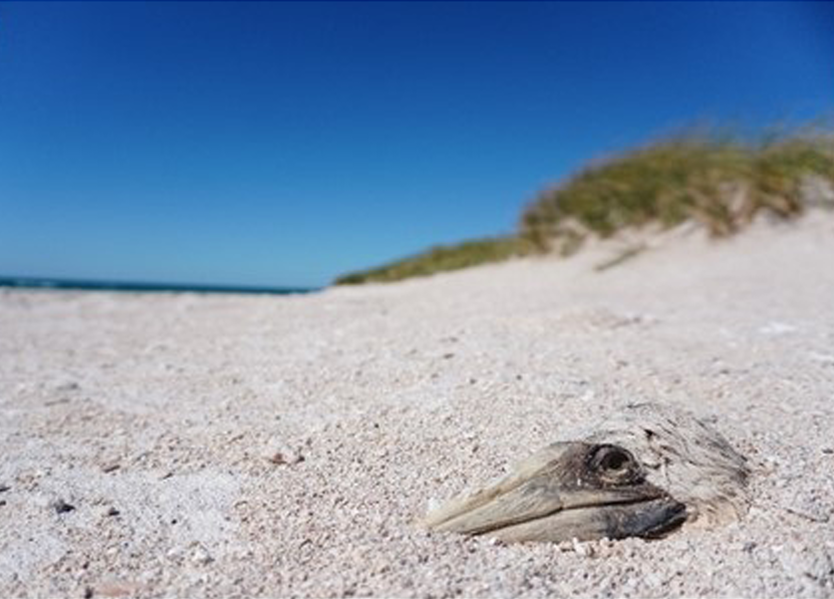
(283, 446)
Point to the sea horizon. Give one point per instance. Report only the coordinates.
(80, 284)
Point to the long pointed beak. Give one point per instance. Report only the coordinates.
(546, 499)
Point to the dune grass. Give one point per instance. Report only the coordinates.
(443, 258)
(721, 179)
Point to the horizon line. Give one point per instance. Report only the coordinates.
(142, 286)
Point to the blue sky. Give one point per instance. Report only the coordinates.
(286, 143)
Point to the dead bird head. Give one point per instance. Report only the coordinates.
(642, 472)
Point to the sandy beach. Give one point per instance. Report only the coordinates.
(218, 445)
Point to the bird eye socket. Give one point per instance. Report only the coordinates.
(612, 460)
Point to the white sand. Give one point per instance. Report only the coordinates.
(382, 399)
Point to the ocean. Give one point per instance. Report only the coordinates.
(142, 287)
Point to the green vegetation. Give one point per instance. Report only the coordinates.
(722, 180)
(442, 258)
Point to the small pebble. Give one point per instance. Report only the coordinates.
(4, 488)
(112, 512)
(174, 553)
(285, 457)
(580, 549)
(62, 507)
(565, 546)
(201, 556)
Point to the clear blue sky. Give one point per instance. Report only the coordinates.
(283, 144)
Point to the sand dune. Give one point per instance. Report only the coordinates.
(185, 445)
